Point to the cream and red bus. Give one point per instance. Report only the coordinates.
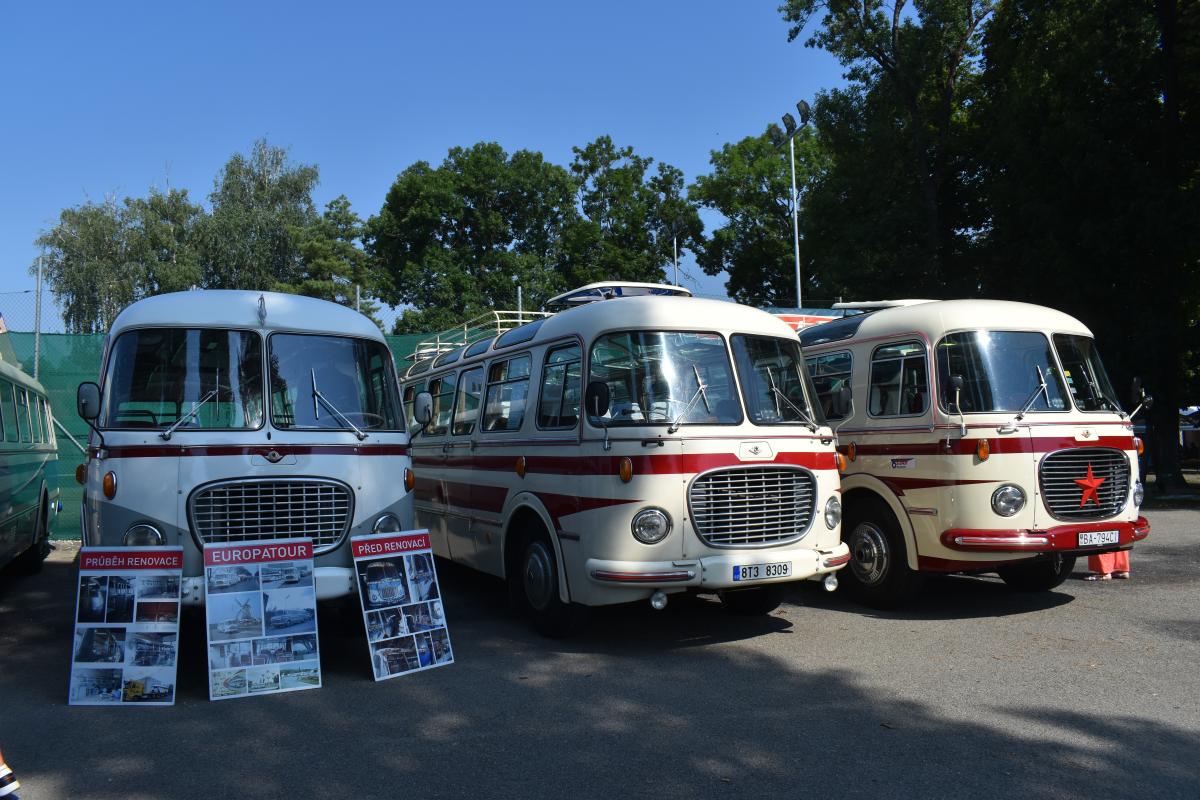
(636, 446)
(980, 436)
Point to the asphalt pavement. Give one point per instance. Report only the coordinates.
(1092, 690)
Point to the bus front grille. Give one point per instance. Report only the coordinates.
(752, 506)
(1067, 499)
(245, 510)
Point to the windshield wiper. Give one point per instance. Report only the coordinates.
(779, 410)
(320, 399)
(166, 435)
(701, 393)
(1011, 425)
(1098, 391)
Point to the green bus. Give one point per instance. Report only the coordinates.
(29, 499)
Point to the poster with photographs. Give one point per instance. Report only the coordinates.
(401, 602)
(125, 648)
(261, 618)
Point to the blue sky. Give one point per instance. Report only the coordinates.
(111, 98)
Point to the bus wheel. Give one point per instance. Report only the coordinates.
(539, 583)
(1039, 575)
(756, 602)
(878, 575)
(31, 561)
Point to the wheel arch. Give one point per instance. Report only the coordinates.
(525, 508)
(856, 488)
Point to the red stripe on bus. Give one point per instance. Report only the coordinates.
(1004, 445)
(189, 451)
(671, 464)
(898, 485)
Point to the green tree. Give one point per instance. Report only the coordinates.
(333, 262)
(101, 257)
(630, 217)
(259, 201)
(455, 240)
(750, 185)
(900, 138)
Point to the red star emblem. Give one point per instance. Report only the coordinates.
(1089, 485)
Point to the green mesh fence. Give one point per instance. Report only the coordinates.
(69, 359)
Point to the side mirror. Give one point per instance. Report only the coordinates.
(596, 398)
(87, 401)
(844, 400)
(423, 408)
(957, 383)
(1136, 392)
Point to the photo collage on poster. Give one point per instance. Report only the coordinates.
(261, 618)
(125, 649)
(402, 604)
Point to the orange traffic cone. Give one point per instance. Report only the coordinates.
(8, 781)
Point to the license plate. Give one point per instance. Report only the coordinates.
(760, 572)
(1091, 538)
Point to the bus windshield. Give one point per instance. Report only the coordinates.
(775, 381)
(354, 376)
(999, 371)
(664, 377)
(156, 376)
(1086, 377)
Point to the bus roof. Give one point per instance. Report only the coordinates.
(935, 318)
(231, 308)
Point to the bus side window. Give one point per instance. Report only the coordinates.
(35, 411)
(830, 373)
(466, 408)
(558, 408)
(10, 412)
(899, 381)
(23, 415)
(507, 393)
(46, 420)
(442, 390)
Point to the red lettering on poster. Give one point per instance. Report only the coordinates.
(134, 559)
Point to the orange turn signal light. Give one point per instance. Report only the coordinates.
(110, 485)
(982, 449)
(410, 480)
(626, 469)
(841, 462)
(521, 466)
(1140, 445)
(852, 451)
(81, 474)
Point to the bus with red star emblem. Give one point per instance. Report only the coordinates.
(980, 437)
(639, 444)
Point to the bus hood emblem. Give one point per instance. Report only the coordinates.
(274, 456)
(755, 451)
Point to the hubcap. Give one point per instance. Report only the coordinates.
(538, 574)
(869, 546)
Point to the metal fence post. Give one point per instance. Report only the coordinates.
(37, 322)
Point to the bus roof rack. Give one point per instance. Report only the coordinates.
(609, 290)
(875, 305)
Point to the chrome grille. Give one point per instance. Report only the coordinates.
(1059, 471)
(753, 506)
(244, 510)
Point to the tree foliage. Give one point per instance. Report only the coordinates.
(334, 266)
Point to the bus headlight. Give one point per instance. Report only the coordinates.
(833, 513)
(1139, 493)
(142, 535)
(387, 523)
(651, 525)
(1008, 500)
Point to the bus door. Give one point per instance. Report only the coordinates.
(460, 468)
(429, 448)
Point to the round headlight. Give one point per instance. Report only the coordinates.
(833, 513)
(651, 525)
(387, 523)
(1139, 493)
(142, 535)
(1008, 500)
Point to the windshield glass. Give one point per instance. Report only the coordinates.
(353, 375)
(1089, 384)
(999, 371)
(775, 381)
(652, 379)
(155, 375)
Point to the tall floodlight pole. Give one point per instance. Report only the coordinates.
(789, 123)
(37, 322)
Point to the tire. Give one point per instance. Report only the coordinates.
(1039, 575)
(536, 590)
(32, 560)
(878, 575)
(756, 602)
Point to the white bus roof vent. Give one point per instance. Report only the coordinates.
(609, 290)
(875, 305)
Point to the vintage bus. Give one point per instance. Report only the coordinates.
(980, 436)
(229, 416)
(29, 494)
(636, 446)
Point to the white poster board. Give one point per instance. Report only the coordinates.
(401, 602)
(125, 648)
(261, 618)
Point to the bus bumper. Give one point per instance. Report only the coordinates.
(718, 571)
(330, 582)
(1059, 539)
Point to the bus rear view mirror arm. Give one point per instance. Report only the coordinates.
(1140, 398)
(423, 409)
(87, 403)
(597, 399)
